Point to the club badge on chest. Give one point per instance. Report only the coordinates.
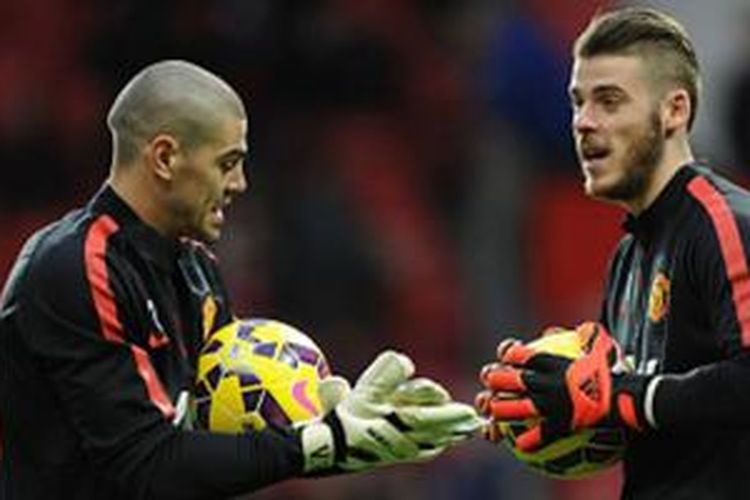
(658, 300)
(209, 310)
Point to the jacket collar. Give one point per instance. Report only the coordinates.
(148, 241)
(651, 220)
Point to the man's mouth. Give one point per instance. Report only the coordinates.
(593, 153)
(218, 212)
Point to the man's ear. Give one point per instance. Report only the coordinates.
(161, 153)
(676, 111)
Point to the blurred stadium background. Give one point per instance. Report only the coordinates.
(412, 177)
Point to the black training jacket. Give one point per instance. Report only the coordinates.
(101, 320)
(678, 299)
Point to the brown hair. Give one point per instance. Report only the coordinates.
(652, 34)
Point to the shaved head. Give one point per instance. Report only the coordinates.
(170, 97)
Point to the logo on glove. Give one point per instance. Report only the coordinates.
(591, 387)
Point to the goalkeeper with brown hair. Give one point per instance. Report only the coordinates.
(677, 300)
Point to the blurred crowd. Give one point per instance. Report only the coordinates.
(412, 178)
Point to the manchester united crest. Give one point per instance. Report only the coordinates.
(658, 300)
(209, 315)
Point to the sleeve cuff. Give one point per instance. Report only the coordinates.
(648, 401)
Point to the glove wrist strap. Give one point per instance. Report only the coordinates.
(627, 411)
(318, 447)
(633, 400)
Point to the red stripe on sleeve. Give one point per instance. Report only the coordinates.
(156, 391)
(96, 271)
(732, 249)
(106, 308)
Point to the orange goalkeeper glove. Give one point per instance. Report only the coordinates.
(565, 394)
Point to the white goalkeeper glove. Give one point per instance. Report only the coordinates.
(387, 418)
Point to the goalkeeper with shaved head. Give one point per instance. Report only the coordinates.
(104, 312)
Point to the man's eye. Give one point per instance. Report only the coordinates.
(610, 102)
(229, 164)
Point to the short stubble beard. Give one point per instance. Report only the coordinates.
(640, 163)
